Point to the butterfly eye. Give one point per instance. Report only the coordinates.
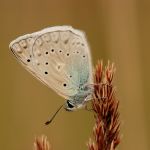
(69, 104)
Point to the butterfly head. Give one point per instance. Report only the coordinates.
(69, 106)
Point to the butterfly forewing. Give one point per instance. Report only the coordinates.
(58, 56)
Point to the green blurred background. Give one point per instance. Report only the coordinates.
(118, 30)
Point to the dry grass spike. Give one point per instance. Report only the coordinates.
(105, 105)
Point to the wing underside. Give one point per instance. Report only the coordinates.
(57, 56)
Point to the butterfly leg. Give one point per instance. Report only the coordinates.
(88, 98)
(86, 102)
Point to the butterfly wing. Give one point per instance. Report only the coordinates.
(58, 56)
(22, 49)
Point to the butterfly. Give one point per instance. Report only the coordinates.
(60, 58)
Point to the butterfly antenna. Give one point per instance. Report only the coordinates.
(49, 121)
